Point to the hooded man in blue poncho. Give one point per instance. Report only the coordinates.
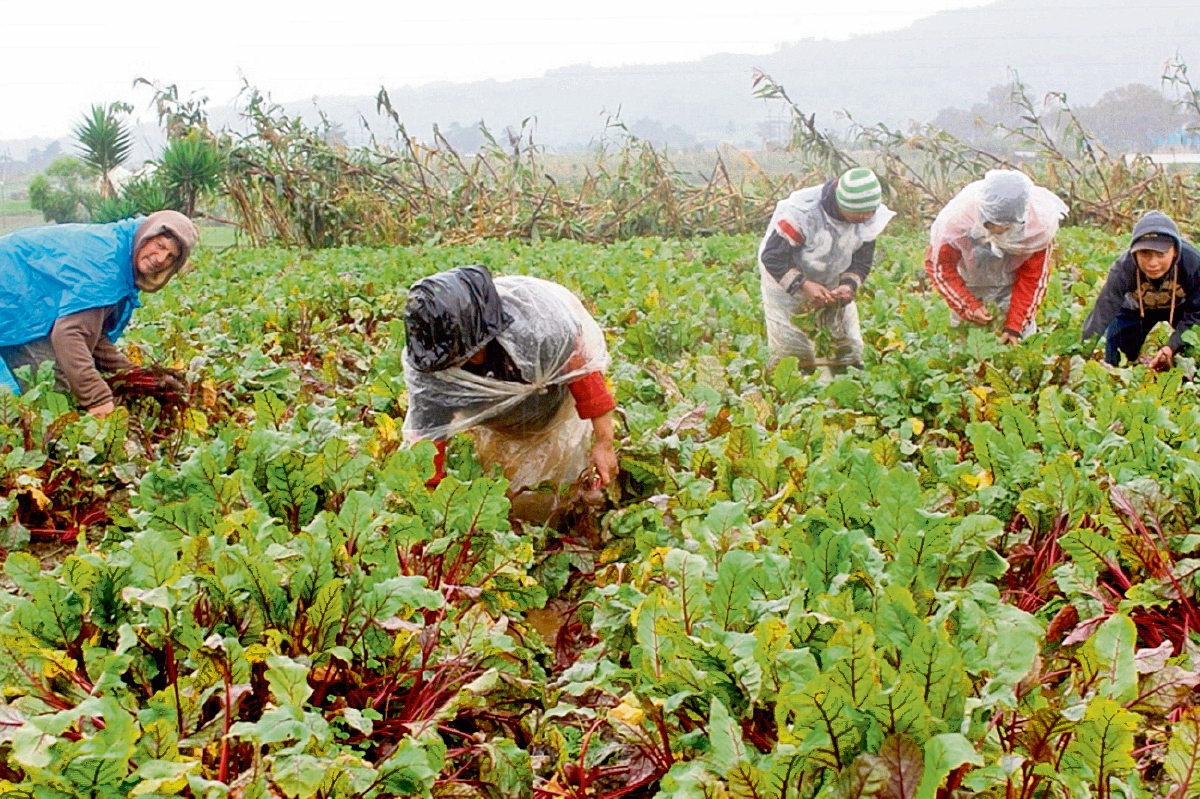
(67, 293)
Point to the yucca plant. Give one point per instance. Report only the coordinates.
(104, 143)
(148, 194)
(190, 166)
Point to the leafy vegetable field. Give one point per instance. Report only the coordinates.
(969, 571)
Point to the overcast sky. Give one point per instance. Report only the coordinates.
(57, 58)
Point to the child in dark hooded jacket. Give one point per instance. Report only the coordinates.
(1156, 280)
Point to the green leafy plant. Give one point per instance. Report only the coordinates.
(104, 142)
(189, 168)
(967, 570)
(61, 192)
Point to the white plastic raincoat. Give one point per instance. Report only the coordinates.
(829, 245)
(990, 262)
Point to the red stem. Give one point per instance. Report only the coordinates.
(224, 773)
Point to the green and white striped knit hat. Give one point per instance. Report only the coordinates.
(858, 191)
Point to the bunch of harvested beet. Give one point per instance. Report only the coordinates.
(167, 386)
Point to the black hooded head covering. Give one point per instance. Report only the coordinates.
(452, 315)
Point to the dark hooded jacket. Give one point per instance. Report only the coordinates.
(1177, 293)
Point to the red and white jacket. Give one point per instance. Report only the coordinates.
(1028, 290)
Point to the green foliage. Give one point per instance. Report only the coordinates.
(104, 142)
(143, 194)
(189, 168)
(967, 570)
(62, 192)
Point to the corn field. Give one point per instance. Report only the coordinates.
(297, 184)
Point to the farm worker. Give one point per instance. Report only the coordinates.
(992, 243)
(68, 291)
(817, 252)
(1156, 280)
(519, 364)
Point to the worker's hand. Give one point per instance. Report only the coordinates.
(819, 295)
(1163, 360)
(1009, 337)
(604, 453)
(979, 316)
(604, 461)
(102, 410)
(843, 294)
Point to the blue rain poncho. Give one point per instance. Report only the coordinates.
(47, 273)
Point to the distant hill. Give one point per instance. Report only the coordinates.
(1082, 47)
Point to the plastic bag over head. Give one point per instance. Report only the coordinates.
(1003, 197)
(551, 339)
(452, 315)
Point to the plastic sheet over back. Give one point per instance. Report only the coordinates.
(47, 273)
(961, 225)
(829, 244)
(552, 340)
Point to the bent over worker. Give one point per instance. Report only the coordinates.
(991, 243)
(519, 364)
(816, 254)
(67, 293)
(1156, 280)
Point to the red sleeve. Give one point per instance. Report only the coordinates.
(943, 273)
(592, 397)
(439, 465)
(1029, 288)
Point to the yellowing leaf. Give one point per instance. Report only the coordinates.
(918, 426)
(627, 713)
(385, 427)
(43, 501)
(135, 355)
(195, 421)
(981, 479)
(208, 394)
(982, 393)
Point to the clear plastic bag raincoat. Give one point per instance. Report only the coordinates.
(529, 427)
(989, 262)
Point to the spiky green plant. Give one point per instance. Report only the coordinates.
(104, 142)
(190, 167)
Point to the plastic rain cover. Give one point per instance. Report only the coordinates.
(47, 273)
(829, 245)
(552, 340)
(989, 259)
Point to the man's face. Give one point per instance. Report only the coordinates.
(996, 228)
(157, 254)
(856, 217)
(1155, 264)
